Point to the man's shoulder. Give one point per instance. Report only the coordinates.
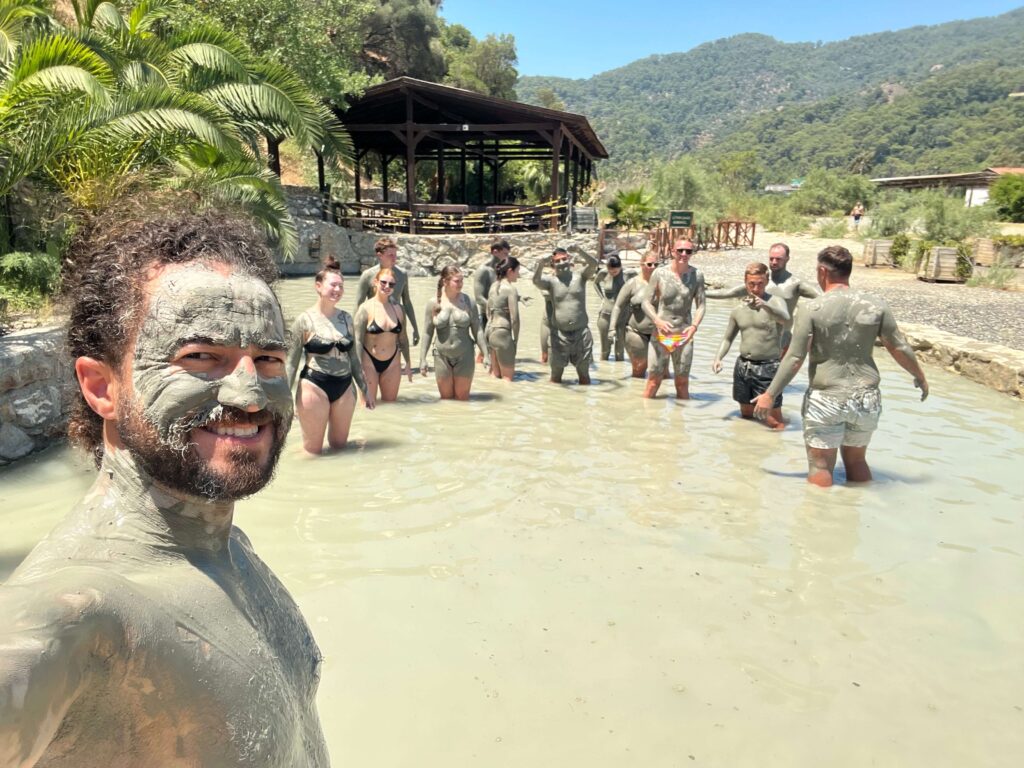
(368, 273)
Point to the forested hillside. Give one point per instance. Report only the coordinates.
(798, 105)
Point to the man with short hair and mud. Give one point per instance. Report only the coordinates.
(843, 402)
(758, 320)
(570, 338)
(386, 250)
(675, 289)
(484, 277)
(144, 630)
(784, 284)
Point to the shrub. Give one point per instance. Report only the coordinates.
(920, 254)
(1007, 197)
(1000, 277)
(777, 215)
(831, 229)
(28, 272)
(891, 215)
(900, 251)
(944, 217)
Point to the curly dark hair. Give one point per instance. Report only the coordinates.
(104, 275)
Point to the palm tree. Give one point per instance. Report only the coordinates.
(633, 209)
(122, 99)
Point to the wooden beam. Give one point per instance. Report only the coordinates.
(451, 127)
(439, 194)
(385, 161)
(462, 177)
(556, 150)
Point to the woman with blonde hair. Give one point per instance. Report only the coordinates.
(324, 340)
(503, 319)
(452, 316)
(381, 335)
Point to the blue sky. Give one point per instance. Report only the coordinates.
(577, 38)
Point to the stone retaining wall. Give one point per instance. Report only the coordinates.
(997, 367)
(34, 379)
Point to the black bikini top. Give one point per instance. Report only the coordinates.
(375, 329)
(318, 346)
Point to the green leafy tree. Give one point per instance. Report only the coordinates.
(1007, 197)
(633, 209)
(321, 41)
(120, 100)
(403, 37)
(546, 97)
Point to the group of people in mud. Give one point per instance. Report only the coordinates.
(144, 629)
(652, 315)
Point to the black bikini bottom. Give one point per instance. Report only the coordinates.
(333, 386)
(380, 365)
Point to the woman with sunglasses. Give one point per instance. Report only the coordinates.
(629, 309)
(324, 339)
(381, 335)
(608, 284)
(452, 316)
(674, 291)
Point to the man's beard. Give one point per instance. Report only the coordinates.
(176, 464)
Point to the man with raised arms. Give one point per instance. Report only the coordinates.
(387, 254)
(570, 338)
(144, 630)
(484, 277)
(784, 284)
(673, 292)
(758, 320)
(842, 404)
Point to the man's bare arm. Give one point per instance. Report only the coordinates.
(897, 345)
(410, 312)
(794, 359)
(736, 292)
(808, 291)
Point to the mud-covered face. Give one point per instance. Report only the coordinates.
(681, 251)
(209, 402)
(755, 285)
(777, 260)
(332, 287)
(561, 262)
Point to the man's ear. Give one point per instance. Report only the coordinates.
(99, 384)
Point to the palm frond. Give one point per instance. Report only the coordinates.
(60, 62)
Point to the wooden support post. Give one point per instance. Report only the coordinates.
(439, 195)
(358, 172)
(462, 176)
(321, 176)
(494, 178)
(385, 161)
(556, 149)
(274, 155)
(565, 168)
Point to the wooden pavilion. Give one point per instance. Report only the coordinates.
(413, 121)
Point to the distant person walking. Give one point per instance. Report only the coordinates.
(856, 213)
(843, 403)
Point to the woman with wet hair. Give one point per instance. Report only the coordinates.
(381, 335)
(452, 316)
(629, 311)
(323, 338)
(608, 284)
(503, 319)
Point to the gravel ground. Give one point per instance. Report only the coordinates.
(980, 313)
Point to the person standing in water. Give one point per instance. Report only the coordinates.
(451, 315)
(758, 320)
(144, 630)
(503, 319)
(381, 335)
(387, 254)
(571, 340)
(784, 284)
(485, 276)
(842, 404)
(637, 327)
(323, 337)
(607, 294)
(673, 292)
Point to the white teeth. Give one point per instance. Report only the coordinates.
(248, 431)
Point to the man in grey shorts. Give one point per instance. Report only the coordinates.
(571, 340)
(842, 403)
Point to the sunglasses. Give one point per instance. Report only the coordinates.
(684, 250)
(385, 284)
(650, 264)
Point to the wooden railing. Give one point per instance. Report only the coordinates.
(431, 218)
(709, 237)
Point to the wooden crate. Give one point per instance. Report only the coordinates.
(876, 253)
(939, 266)
(985, 252)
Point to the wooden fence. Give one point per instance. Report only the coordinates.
(709, 237)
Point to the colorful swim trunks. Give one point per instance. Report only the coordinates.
(672, 341)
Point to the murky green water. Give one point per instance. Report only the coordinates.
(555, 576)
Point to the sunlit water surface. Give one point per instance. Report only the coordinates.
(564, 576)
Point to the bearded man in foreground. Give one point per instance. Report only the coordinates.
(144, 630)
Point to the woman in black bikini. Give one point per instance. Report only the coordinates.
(381, 335)
(324, 339)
